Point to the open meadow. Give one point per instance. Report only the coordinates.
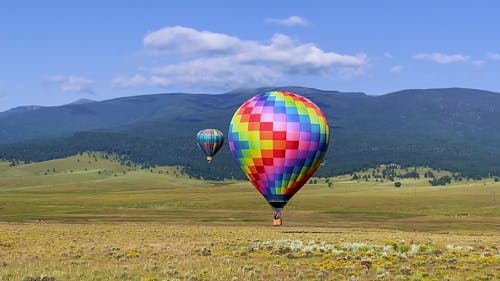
(91, 218)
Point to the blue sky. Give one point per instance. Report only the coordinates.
(54, 52)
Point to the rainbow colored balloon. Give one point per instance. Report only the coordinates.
(209, 141)
(279, 139)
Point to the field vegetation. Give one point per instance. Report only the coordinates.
(94, 216)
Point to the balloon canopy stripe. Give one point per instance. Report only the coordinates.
(279, 139)
(210, 141)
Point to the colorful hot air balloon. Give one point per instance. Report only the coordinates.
(279, 140)
(209, 141)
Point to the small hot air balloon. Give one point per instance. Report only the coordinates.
(279, 140)
(209, 141)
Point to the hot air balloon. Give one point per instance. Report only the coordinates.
(209, 141)
(279, 140)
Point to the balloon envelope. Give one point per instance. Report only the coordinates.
(209, 141)
(279, 140)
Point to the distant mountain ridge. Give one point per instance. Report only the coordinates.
(28, 108)
(454, 128)
(20, 109)
(82, 101)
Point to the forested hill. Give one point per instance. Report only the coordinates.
(455, 129)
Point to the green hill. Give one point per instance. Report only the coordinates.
(454, 129)
(100, 187)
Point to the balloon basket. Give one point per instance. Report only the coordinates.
(277, 222)
(278, 216)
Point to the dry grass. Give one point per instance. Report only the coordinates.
(153, 251)
(126, 223)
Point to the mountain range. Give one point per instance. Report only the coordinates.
(454, 128)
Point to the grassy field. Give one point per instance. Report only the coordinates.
(91, 218)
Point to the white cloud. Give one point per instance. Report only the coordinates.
(290, 21)
(185, 40)
(396, 69)
(477, 62)
(160, 81)
(442, 58)
(388, 55)
(72, 83)
(127, 82)
(208, 59)
(213, 73)
(493, 56)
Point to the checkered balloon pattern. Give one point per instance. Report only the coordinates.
(209, 141)
(279, 139)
